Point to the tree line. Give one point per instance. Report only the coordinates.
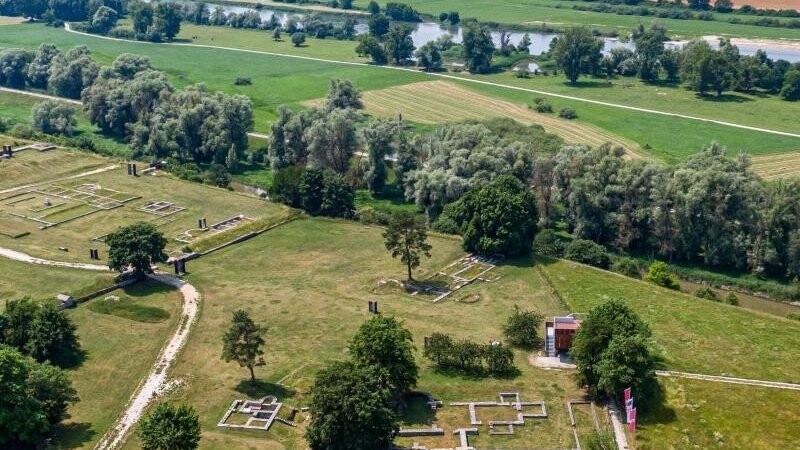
(697, 65)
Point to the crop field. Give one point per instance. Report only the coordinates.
(435, 102)
(63, 219)
(777, 166)
(559, 14)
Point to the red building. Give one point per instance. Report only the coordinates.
(560, 332)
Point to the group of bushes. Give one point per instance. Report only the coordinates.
(317, 191)
(468, 357)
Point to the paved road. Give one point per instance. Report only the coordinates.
(468, 80)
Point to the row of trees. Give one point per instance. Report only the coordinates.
(65, 10)
(699, 66)
(469, 357)
(63, 74)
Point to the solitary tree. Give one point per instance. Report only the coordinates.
(478, 48)
(54, 117)
(406, 237)
(385, 343)
(522, 328)
(573, 51)
(298, 38)
(137, 246)
(170, 427)
(242, 343)
(350, 409)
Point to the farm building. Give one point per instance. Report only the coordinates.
(559, 333)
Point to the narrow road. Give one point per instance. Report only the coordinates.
(156, 379)
(453, 77)
(731, 380)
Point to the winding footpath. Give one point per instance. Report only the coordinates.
(453, 77)
(155, 381)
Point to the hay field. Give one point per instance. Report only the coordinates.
(435, 102)
(85, 209)
(771, 167)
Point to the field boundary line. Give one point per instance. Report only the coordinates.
(458, 78)
(730, 380)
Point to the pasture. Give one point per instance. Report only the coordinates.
(61, 219)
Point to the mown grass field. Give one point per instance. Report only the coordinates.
(436, 102)
(692, 334)
(559, 13)
(198, 201)
(119, 351)
(32, 167)
(771, 167)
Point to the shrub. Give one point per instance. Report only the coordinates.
(628, 267)
(600, 441)
(542, 106)
(122, 33)
(706, 293)
(587, 252)
(469, 357)
(658, 273)
(243, 81)
(547, 243)
(793, 316)
(567, 113)
(370, 216)
(522, 327)
(298, 38)
(732, 299)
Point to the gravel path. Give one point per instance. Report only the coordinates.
(731, 380)
(24, 257)
(463, 79)
(155, 381)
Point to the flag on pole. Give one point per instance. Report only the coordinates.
(632, 420)
(627, 395)
(629, 404)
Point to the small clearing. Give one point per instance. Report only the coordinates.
(783, 165)
(434, 102)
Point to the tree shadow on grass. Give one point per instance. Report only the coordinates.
(261, 389)
(74, 435)
(589, 84)
(146, 288)
(725, 98)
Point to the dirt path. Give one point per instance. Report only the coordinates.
(155, 381)
(462, 79)
(731, 380)
(44, 96)
(23, 257)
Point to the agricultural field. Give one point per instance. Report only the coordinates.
(61, 219)
(771, 167)
(436, 102)
(109, 340)
(559, 14)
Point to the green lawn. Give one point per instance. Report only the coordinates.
(693, 335)
(559, 13)
(700, 414)
(44, 283)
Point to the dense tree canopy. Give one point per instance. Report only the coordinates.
(477, 48)
(53, 117)
(170, 427)
(137, 246)
(40, 331)
(384, 342)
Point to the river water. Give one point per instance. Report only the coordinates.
(425, 32)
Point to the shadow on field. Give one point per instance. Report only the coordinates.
(146, 288)
(725, 98)
(74, 435)
(261, 389)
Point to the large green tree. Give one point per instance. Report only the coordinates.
(137, 246)
(407, 238)
(477, 47)
(385, 343)
(243, 343)
(575, 50)
(351, 409)
(170, 427)
(399, 44)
